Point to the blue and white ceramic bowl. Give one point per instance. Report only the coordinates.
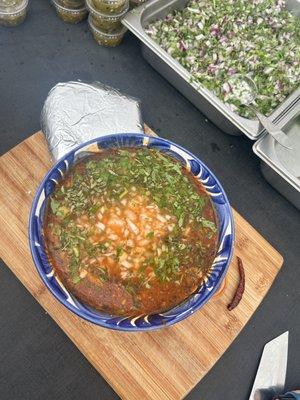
(143, 322)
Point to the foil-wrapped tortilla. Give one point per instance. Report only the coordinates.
(75, 112)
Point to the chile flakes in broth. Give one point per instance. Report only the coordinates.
(130, 231)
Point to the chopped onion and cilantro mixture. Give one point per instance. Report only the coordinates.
(216, 39)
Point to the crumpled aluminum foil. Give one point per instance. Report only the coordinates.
(75, 112)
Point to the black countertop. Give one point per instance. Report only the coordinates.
(37, 360)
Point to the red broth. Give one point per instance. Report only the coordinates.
(130, 232)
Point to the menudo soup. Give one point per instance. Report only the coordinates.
(130, 231)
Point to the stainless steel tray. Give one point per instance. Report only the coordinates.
(272, 167)
(178, 76)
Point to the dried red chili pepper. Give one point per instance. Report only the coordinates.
(241, 286)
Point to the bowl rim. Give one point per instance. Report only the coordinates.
(181, 316)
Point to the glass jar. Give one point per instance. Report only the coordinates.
(106, 22)
(12, 15)
(110, 6)
(72, 16)
(111, 39)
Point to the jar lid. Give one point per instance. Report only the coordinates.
(16, 9)
(111, 35)
(68, 10)
(112, 2)
(111, 17)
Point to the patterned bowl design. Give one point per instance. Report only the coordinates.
(143, 322)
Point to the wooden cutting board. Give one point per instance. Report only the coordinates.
(164, 364)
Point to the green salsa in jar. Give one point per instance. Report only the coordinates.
(72, 16)
(110, 39)
(106, 22)
(12, 12)
(110, 6)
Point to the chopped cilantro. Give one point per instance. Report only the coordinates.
(150, 235)
(119, 252)
(54, 204)
(208, 224)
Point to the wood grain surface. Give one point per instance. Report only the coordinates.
(164, 364)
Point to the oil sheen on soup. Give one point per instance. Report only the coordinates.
(130, 231)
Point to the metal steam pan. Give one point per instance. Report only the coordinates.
(178, 76)
(281, 167)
